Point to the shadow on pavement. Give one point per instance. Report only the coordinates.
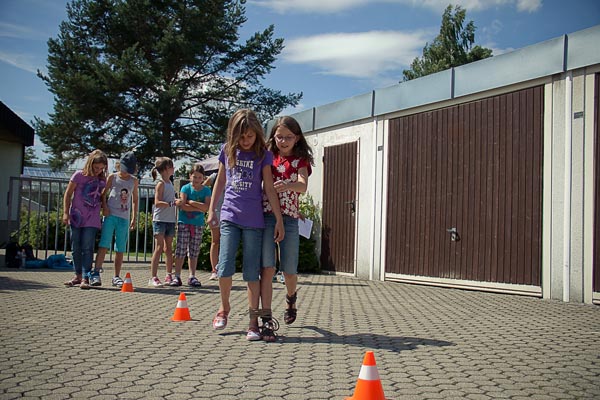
(8, 283)
(309, 283)
(372, 340)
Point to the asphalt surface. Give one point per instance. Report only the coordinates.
(429, 343)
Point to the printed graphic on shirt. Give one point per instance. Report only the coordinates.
(91, 193)
(242, 175)
(124, 197)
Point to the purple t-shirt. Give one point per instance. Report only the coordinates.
(86, 203)
(242, 203)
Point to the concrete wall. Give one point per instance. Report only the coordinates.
(11, 164)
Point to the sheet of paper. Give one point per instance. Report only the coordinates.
(305, 227)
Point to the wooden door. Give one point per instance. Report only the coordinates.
(338, 236)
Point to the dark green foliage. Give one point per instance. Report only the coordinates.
(159, 77)
(42, 230)
(452, 47)
(308, 262)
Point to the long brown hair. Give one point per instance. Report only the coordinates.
(239, 123)
(160, 165)
(95, 157)
(301, 149)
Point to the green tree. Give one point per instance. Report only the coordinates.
(183, 172)
(452, 47)
(30, 158)
(156, 77)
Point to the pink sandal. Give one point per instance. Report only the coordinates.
(220, 320)
(73, 282)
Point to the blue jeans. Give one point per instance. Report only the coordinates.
(289, 247)
(251, 242)
(82, 246)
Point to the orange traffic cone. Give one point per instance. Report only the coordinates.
(127, 285)
(368, 386)
(182, 312)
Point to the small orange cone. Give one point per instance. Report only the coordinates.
(127, 285)
(182, 312)
(368, 386)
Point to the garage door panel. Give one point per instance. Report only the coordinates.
(475, 167)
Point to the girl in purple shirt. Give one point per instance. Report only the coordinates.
(81, 211)
(244, 167)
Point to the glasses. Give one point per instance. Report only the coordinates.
(285, 138)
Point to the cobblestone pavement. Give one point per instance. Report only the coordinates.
(429, 343)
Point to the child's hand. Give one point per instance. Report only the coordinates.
(279, 186)
(132, 225)
(179, 202)
(279, 232)
(212, 220)
(105, 212)
(65, 219)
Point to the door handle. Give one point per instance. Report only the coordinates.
(454, 236)
(352, 205)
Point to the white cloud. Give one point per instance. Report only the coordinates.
(20, 60)
(20, 32)
(496, 50)
(529, 5)
(366, 55)
(333, 6)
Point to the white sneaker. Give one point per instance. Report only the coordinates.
(155, 282)
(117, 281)
(281, 278)
(213, 276)
(94, 277)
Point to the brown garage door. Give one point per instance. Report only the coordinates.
(339, 202)
(474, 169)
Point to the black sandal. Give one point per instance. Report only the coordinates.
(269, 326)
(289, 316)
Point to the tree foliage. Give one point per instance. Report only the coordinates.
(30, 157)
(160, 77)
(452, 47)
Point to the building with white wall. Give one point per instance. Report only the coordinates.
(483, 176)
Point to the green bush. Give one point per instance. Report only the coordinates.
(308, 262)
(39, 229)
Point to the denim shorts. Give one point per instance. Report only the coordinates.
(251, 238)
(289, 247)
(163, 228)
(114, 226)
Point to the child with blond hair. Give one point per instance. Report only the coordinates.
(119, 207)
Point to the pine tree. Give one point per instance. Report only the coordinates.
(157, 77)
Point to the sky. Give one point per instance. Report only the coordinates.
(334, 49)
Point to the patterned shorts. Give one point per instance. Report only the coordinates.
(189, 238)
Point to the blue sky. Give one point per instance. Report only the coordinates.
(335, 49)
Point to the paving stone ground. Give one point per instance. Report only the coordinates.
(429, 343)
